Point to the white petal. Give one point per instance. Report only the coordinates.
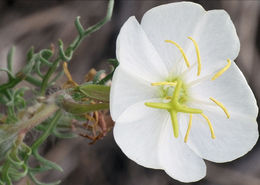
(231, 89)
(217, 40)
(234, 137)
(136, 53)
(127, 90)
(175, 21)
(177, 159)
(138, 111)
(212, 30)
(139, 138)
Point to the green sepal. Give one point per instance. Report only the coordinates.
(98, 92)
(77, 108)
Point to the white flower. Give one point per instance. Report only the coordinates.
(177, 69)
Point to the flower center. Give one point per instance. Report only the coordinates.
(176, 103)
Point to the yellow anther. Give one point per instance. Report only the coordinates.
(221, 106)
(220, 72)
(181, 50)
(210, 125)
(188, 130)
(163, 83)
(198, 54)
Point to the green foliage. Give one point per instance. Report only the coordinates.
(8, 134)
(15, 166)
(41, 112)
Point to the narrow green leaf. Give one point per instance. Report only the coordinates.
(33, 80)
(10, 61)
(30, 54)
(9, 73)
(79, 26)
(65, 56)
(101, 23)
(46, 54)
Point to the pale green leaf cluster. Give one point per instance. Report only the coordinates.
(49, 114)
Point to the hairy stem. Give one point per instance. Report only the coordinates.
(45, 111)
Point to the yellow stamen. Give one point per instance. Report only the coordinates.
(198, 54)
(210, 126)
(95, 123)
(90, 118)
(188, 130)
(68, 75)
(221, 106)
(220, 72)
(181, 50)
(66, 71)
(163, 83)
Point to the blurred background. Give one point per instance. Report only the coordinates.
(24, 23)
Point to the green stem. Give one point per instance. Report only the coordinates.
(11, 84)
(10, 61)
(42, 114)
(76, 43)
(47, 132)
(46, 78)
(12, 159)
(5, 176)
(42, 138)
(102, 22)
(33, 80)
(93, 28)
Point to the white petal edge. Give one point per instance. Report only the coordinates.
(234, 137)
(139, 138)
(137, 54)
(177, 159)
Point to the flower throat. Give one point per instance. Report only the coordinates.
(177, 102)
